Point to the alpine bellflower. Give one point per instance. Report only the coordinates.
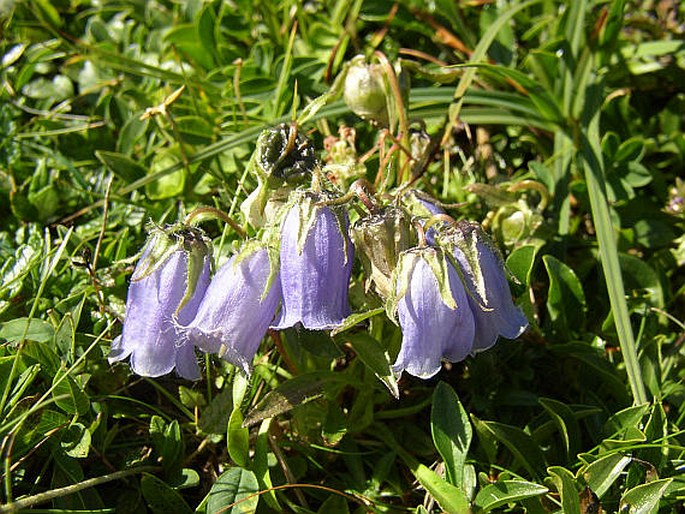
(483, 270)
(316, 263)
(433, 311)
(237, 308)
(165, 292)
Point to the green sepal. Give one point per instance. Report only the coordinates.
(163, 242)
(470, 238)
(254, 245)
(308, 203)
(438, 264)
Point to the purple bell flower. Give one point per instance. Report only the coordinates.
(237, 308)
(166, 288)
(433, 310)
(483, 271)
(316, 264)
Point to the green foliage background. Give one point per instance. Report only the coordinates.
(565, 137)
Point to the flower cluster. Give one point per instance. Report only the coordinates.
(442, 281)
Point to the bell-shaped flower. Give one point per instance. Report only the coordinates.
(238, 306)
(483, 271)
(433, 311)
(166, 288)
(316, 263)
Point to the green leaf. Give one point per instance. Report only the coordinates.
(132, 134)
(75, 441)
(375, 357)
(602, 473)
(640, 275)
(189, 43)
(33, 330)
(184, 479)
(452, 432)
(161, 498)
(625, 420)
(565, 483)
(261, 465)
(644, 499)
(566, 422)
(334, 504)
(547, 105)
(121, 165)
(167, 185)
(526, 450)
(354, 319)
(238, 439)
(507, 491)
(520, 262)
(214, 419)
(68, 395)
(233, 493)
(565, 297)
(167, 442)
(296, 391)
(451, 499)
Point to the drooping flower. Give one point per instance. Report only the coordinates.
(166, 288)
(316, 263)
(433, 310)
(483, 270)
(237, 308)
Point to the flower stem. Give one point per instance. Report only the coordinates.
(30, 501)
(201, 214)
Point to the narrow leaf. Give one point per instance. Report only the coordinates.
(452, 432)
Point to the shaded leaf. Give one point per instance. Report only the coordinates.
(238, 439)
(68, 395)
(296, 391)
(565, 297)
(161, 498)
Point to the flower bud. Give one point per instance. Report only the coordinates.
(381, 238)
(433, 310)
(316, 263)
(364, 91)
(166, 288)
